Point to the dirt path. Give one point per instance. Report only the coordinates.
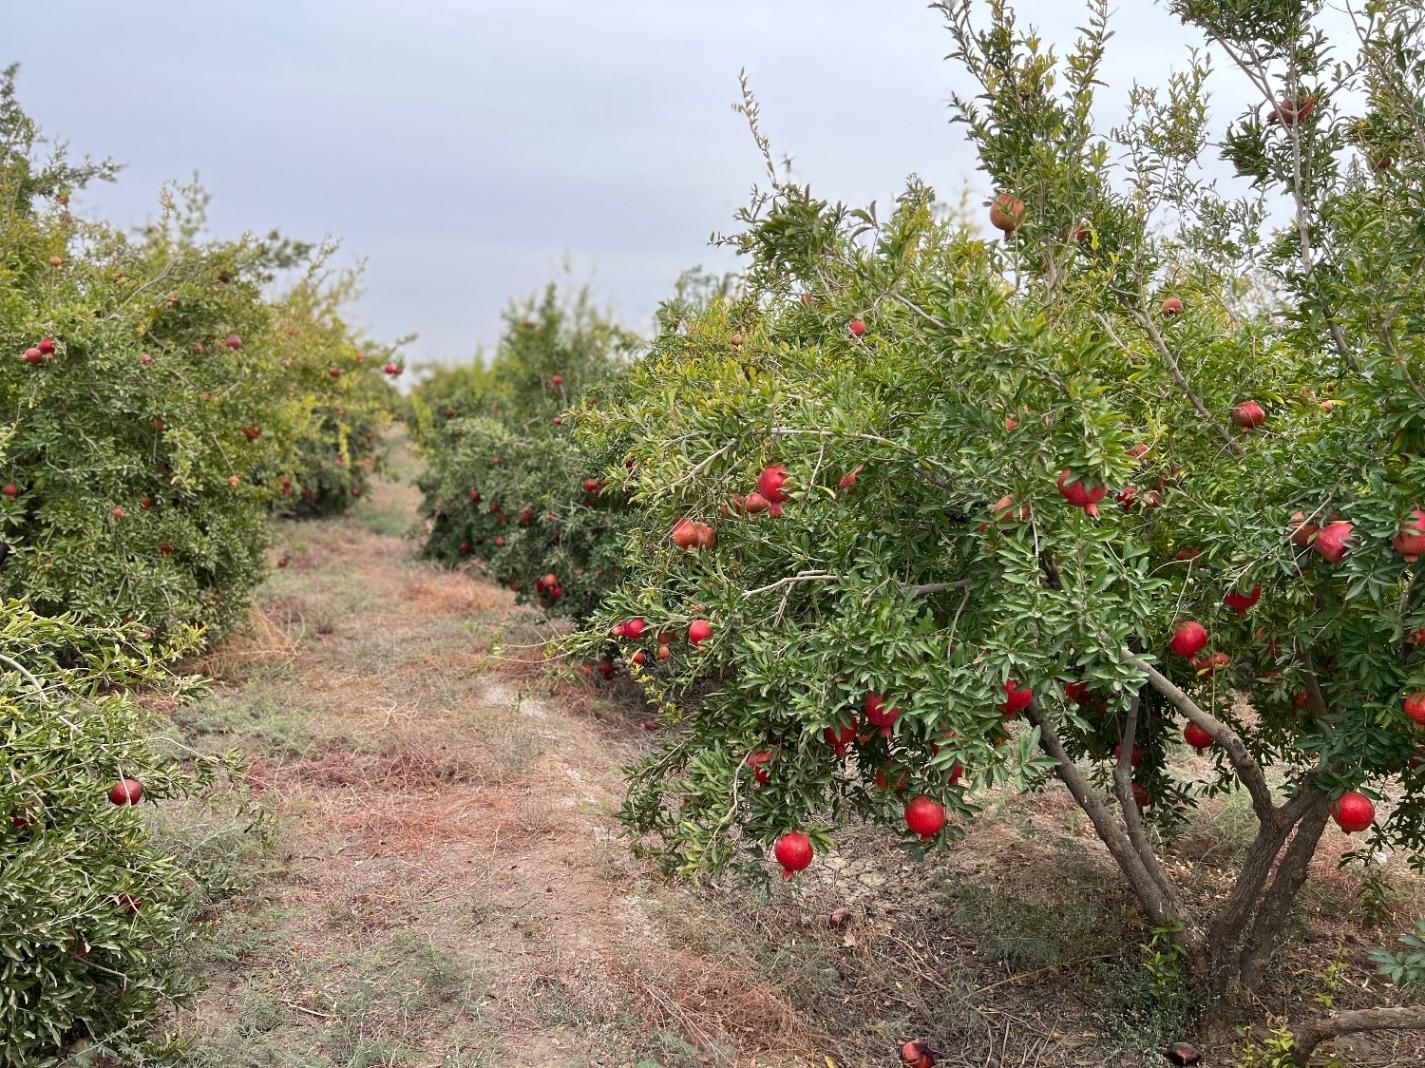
(450, 889)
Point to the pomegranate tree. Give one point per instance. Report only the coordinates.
(971, 581)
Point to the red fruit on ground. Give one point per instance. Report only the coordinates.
(1334, 541)
(924, 817)
(1239, 602)
(126, 792)
(1079, 493)
(1189, 639)
(1015, 699)
(917, 1055)
(1409, 541)
(1353, 812)
(699, 631)
(1249, 415)
(1006, 213)
(1198, 738)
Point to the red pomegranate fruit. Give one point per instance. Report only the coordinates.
(1240, 602)
(924, 817)
(1006, 213)
(1079, 493)
(126, 792)
(1414, 706)
(1353, 811)
(879, 715)
(1198, 738)
(771, 485)
(699, 631)
(1409, 541)
(858, 328)
(1189, 639)
(1249, 415)
(793, 852)
(1334, 541)
(1015, 699)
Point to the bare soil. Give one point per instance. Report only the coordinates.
(451, 887)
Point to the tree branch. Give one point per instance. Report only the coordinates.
(1155, 336)
(1310, 1034)
(800, 576)
(934, 587)
(1132, 816)
(1243, 763)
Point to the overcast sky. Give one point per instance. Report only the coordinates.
(465, 148)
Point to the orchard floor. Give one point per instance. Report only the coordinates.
(449, 887)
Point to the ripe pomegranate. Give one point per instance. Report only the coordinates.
(917, 1055)
(1240, 602)
(638, 658)
(33, 355)
(526, 516)
(1171, 306)
(793, 852)
(699, 631)
(1409, 542)
(879, 715)
(924, 817)
(592, 485)
(1015, 699)
(840, 738)
(1189, 638)
(233, 342)
(1290, 112)
(1126, 496)
(126, 792)
(1249, 415)
(754, 504)
(499, 542)
(1414, 706)
(606, 667)
(1184, 555)
(1134, 758)
(129, 903)
(685, 534)
(46, 346)
(771, 484)
(756, 762)
(11, 490)
(664, 652)
(334, 372)
(117, 512)
(1006, 213)
(631, 629)
(557, 380)
(56, 261)
(1005, 511)
(847, 481)
(146, 359)
(1198, 738)
(252, 433)
(1077, 691)
(1302, 531)
(858, 328)
(1208, 666)
(1334, 541)
(166, 549)
(1353, 812)
(1080, 494)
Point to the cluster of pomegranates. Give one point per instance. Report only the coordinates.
(37, 354)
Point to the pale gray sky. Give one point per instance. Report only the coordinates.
(464, 148)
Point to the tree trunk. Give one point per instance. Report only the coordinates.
(1308, 1035)
(1275, 908)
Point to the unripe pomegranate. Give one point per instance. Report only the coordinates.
(793, 852)
(924, 817)
(1006, 213)
(1414, 706)
(1240, 602)
(1249, 415)
(1334, 541)
(840, 738)
(1198, 738)
(1080, 494)
(771, 484)
(858, 328)
(879, 715)
(1171, 306)
(1409, 542)
(756, 762)
(1189, 638)
(1353, 812)
(126, 792)
(1015, 699)
(699, 631)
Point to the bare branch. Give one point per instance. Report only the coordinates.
(1310, 1034)
(800, 576)
(1243, 763)
(933, 587)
